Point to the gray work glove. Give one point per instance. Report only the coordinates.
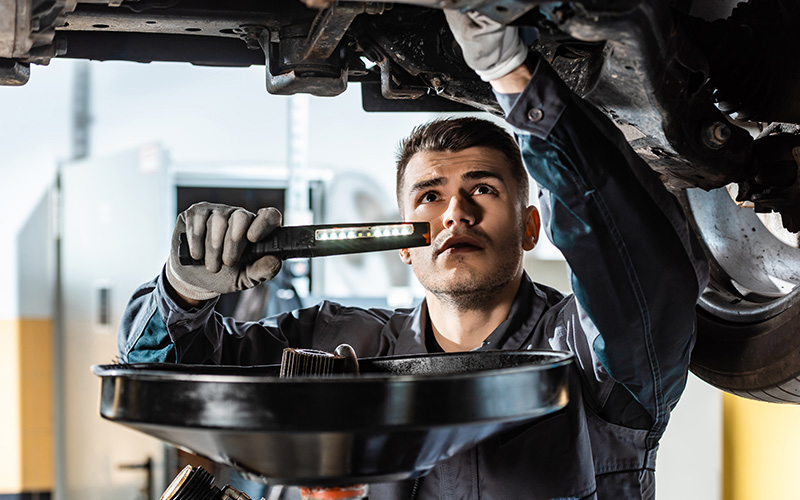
(490, 48)
(218, 234)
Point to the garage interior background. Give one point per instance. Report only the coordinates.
(157, 127)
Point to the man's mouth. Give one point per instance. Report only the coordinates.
(460, 244)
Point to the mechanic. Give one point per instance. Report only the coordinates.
(637, 271)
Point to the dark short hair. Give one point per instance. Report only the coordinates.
(458, 134)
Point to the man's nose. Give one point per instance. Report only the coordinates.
(460, 210)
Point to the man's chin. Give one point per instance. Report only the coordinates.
(467, 262)
(471, 277)
(472, 294)
(461, 281)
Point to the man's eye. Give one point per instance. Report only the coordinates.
(428, 197)
(484, 189)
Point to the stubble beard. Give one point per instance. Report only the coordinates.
(471, 290)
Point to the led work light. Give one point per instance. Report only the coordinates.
(331, 239)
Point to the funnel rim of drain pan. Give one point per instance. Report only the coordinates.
(394, 421)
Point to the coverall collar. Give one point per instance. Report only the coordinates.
(512, 333)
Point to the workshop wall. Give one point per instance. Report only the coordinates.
(761, 449)
(32, 140)
(26, 360)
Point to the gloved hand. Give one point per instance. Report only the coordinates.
(219, 234)
(490, 48)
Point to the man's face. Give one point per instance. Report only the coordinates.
(479, 227)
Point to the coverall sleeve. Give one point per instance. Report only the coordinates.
(637, 267)
(156, 329)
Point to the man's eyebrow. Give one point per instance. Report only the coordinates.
(482, 174)
(471, 175)
(429, 183)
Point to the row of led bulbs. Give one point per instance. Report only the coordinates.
(349, 233)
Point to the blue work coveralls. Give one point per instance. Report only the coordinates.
(637, 271)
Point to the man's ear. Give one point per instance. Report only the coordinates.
(532, 225)
(405, 256)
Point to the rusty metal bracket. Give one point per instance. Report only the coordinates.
(328, 29)
(391, 89)
(302, 59)
(288, 74)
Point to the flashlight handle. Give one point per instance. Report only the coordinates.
(289, 242)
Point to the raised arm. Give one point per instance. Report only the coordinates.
(637, 266)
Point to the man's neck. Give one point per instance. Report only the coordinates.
(459, 329)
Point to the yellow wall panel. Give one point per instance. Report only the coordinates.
(37, 461)
(36, 403)
(26, 424)
(761, 449)
(36, 367)
(36, 343)
(10, 466)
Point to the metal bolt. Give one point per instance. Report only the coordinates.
(715, 135)
(535, 114)
(437, 84)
